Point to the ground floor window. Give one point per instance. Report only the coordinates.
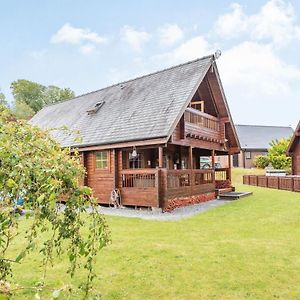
(102, 160)
(248, 155)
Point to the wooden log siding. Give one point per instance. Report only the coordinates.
(288, 183)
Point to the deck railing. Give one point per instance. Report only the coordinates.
(222, 174)
(148, 178)
(152, 187)
(139, 178)
(185, 178)
(201, 119)
(288, 183)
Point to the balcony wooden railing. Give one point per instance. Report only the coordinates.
(201, 119)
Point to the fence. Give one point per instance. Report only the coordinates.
(288, 183)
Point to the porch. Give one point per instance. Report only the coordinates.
(157, 187)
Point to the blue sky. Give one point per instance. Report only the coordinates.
(86, 45)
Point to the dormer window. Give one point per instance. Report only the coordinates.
(96, 107)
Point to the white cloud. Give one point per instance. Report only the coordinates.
(261, 88)
(188, 50)
(87, 49)
(275, 22)
(72, 35)
(256, 69)
(232, 24)
(170, 34)
(134, 38)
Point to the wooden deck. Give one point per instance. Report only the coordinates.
(154, 187)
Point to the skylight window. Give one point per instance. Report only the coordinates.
(96, 107)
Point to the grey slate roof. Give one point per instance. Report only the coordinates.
(260, 137)
(138, 109)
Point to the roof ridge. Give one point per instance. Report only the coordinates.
(135, 78)
(256, 125)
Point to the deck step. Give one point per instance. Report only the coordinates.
(233, 195)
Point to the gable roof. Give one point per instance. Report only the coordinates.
(295, 139)
(144, 108)
(260, 136)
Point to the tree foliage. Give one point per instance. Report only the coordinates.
(22, 111)
(277, 154)
(261, 161)
(36, 95)
(34, 167)
(3, 101)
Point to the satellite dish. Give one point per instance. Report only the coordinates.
(218, 53)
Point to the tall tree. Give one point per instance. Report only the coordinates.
(22, 110)
(3, 101)
(36, 96)
(54, 94)
(28, 92)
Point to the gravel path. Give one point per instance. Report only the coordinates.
(176, 214)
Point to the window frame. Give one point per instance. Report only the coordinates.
(248, 154)
(102, 160)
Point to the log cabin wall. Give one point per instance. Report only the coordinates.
(101, 181)
(296, 159)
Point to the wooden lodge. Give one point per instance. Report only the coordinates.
(294, 151)
(145, 137)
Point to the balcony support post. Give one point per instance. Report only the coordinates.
(191, 157)
(160, 156)
(229, 167)
(213, 164)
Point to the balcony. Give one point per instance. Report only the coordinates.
(202, 126)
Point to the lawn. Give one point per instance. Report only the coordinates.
(247, 249)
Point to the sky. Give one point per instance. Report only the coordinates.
(87, 45)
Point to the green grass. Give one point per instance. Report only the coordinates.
(247, 249)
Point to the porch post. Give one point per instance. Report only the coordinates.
(191, 157)
(213, 159)
(115, 168)
(160, 156)
(119, 167)
(229, 166)
(213, 165)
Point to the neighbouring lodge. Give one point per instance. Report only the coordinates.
(145, 137)
(255, 140)
(294, 151)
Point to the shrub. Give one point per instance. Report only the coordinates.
(261, 161)
(277, 154)
(281, 162)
